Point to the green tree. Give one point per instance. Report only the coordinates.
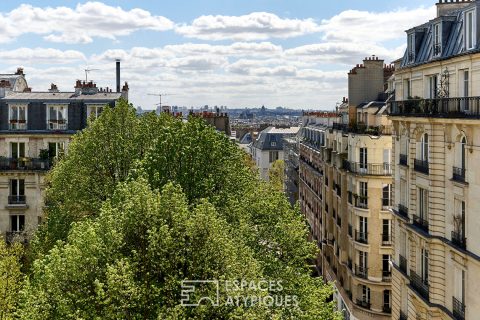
(276, 174)
(141, 203)
(11, 278)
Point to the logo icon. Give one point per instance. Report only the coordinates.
(196, 292)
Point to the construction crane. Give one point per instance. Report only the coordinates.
(160, 95)
(86, 73)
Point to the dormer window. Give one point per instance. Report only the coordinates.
(437, 39)
(411, 48)
(469, 27)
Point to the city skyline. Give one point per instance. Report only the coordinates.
(216, 53)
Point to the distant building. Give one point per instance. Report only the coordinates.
(35, 128)
(269, 147)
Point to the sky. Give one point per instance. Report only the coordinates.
(231, 53)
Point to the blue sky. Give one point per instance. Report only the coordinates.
(234, 53)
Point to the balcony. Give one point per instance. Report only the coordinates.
(361, 272)
(24, 164)
(386, 240)
(402, 264)
(361, 237)
(459, 107)
(403, 160)
(363, 303)
(361, 202)
(459, 240)
(403, 316)
(387, 309)
(458, 309)
(420, 222)
(386, 275)
(458, 174)
(57, 124)
(421, 166)
(369, 169)
(419, 285)
(17, 125)
(14, 236)
(403, 211)
(17, 200)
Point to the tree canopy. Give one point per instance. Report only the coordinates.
(139, 204)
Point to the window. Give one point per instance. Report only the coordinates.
(363, 227)
(423, 204)
(424, 147)
(386, 230)
(386, 263)
(459, 284)
(363, 159)
(387, 196)
(362, 259)
(363, 199)
(17, 187)
(463, 143)
(273, 156)
(386, 299)
(57, 117)
(406, 89)
(459, 219)
(424, 265)
(17, 150)
(403, 192)
(365, 294)
(470, 26)
(56, 149)
(17, 223)
(411, 47)
(94, 111)
(437, 40)
(432, 86)
(17, 116)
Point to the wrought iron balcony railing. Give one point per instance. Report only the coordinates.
(369, 169)
(459, 240)
(387, 309)
(403, 159)
(420, 285)
(421, 166)
(361, 271)
(361, 237)
(386, 275)
(403, 210)
(459, 174)
(458, 309)
(17, 200)
(458, 107)
(420, 222)
(363, 303)
(24, 164)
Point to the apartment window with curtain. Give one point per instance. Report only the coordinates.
(422, 204)
(17, 150)
(424, 148)
(386, 232)
(387, 196)
(432, 86)
(424, 265)
(17, 116)
(411, 47)
(57, 117)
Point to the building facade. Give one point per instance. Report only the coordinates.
(35, 129)
(346, 193)
(436, 120)
(268, 148)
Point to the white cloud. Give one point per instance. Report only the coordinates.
(41, 55)
(361, 26)
(79, 25)
(254, 26)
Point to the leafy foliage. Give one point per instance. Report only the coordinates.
(276, 174)
(141, 203)
(11, 278)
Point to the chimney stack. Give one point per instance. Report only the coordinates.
(118, 74)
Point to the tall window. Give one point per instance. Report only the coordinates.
(17, 116)
(386, 230)
(464, 91)
(273, 156)
(470, 25)
(432, 86)
(423, 204)
(363, 199)
(363, 259)
(94, 110)
(57, 117)
(406, 89)
(365, 294)
(403, 192)
(363, 227)
(437, 42)
(459, 284)
(17, 149)
(463, 143)
(17, 187)
(363, 159)
(56, 149)
(424, 265)
(386, 299)
(459, 219)
(17, 222)
(424, 147)
(411, 47)
(386, 263)
(387, 196)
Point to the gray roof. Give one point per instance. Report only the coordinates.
(272, 138)
(61, 96)
(453, 42)
(12, 78)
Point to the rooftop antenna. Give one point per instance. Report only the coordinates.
(160, 95)
(86, 73)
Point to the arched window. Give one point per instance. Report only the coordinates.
(463, 144)
(424, 147)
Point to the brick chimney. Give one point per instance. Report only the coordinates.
(444, 7)
(19, 72)
(53, 88)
